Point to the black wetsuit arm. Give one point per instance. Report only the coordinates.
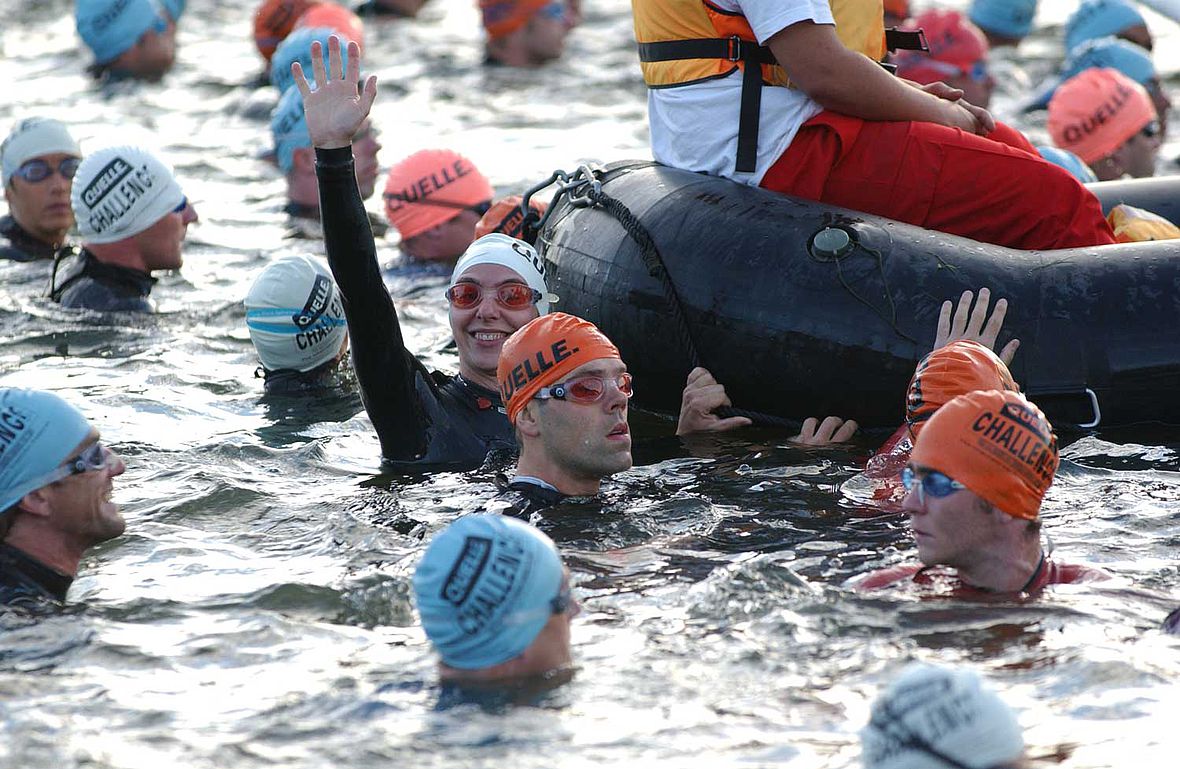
(384, 368)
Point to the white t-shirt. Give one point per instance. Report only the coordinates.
(695, 127)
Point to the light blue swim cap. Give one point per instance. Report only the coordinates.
(1099, 18)
(1007, 18)
(1110, 52)
(38, 430)
(1069, 161)
(288, 127)
(175, 8)
(110, 27)
(297, 48)
(485, 588)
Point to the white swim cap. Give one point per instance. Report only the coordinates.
(948, 710)
(121, 191)
(295, 315)
(32, 138)
(514, 254)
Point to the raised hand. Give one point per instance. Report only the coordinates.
(974, 324)
(831, 430)
(335, 109)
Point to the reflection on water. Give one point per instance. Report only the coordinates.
(257, 612)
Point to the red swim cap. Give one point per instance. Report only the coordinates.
(542, 352)
(998, 444)
(431, 187)
(505, 216)
(274, 20)
(336, 17)
(955, 46)
(1096, 111)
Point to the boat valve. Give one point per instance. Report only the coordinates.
(831, 243)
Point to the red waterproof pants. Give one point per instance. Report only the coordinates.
(996, 190)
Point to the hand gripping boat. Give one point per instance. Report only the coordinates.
(801, 309)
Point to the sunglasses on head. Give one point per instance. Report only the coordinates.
(934, 483)
(585, 389)
(38, 170)
(514, 296)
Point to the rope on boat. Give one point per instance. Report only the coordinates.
(583, 189)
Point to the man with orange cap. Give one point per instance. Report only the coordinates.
(975, 482)
(526, 33)
(1109, 121)
(434, 198)
(957, 57)
(566, 389)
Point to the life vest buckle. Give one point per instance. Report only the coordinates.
(735, 48)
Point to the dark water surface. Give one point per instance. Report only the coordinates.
(257, 612)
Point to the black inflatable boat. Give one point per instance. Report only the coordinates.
(802, 309)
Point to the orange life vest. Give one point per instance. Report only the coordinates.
(682, 42)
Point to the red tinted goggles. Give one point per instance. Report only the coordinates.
(585, 389)
(514, 296)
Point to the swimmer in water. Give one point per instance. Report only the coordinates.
(1093, 19)
(527, 33)
(55, 487)
(129, 38)
(38, 161)
(295, 316)
(1004, 22)
(566, 389)
(1109, 121)
(495, 602)
(133, 217)
(975, 481)
(957, 56)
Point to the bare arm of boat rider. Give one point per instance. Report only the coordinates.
(847, 82)
(384, 368)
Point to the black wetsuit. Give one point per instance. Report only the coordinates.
(522, 498)
(83, 281)
(25, 581)
(22, 247)
(421, 417)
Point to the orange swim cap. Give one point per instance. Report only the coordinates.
(505, 216)
(336, 17)
(274, 20)
(996, 443)
(955, 369)
(1096, 111)
(503, 17)
(542, 352)
(431, 187)
(955, 46)
(898, 8)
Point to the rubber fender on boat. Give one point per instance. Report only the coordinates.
(796, 330)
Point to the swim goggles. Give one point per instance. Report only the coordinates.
(1151, 130)
(37, 170)
(585, 389)
(181, 206)
(92, 458)
(513, 296)
(562, 601)
(934, 483)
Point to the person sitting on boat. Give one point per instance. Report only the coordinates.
(976, 478)
(566, 389)
(421, 417)
(841, 130)
(435, 197)
(295, 316)
(495, 602)
(934, 717)
(132, 217)
(1093, 19)
(1109, 121)
(296, 159)
(957, 56)
(55, 488)
(38, 161)
(526, 33)
(1004, 22)
(129, 38)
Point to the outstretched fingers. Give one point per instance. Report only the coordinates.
(317, 62)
